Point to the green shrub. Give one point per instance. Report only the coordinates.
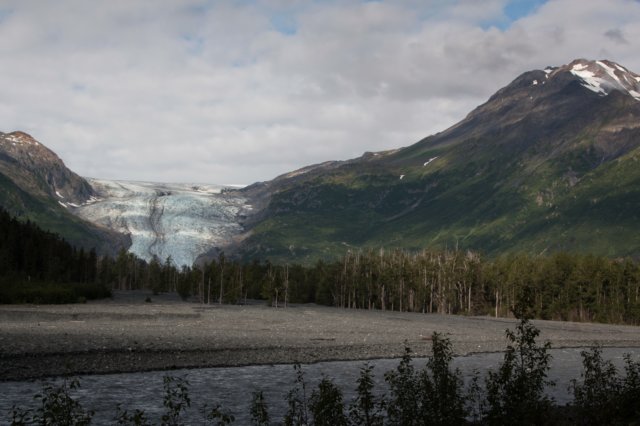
(259, 410)
(297, 411)
(515, 393)
(366, 409)
(176, 399)
(56, 406)
(327, 407)
(402, 407)
(602, 396)
(441, 388)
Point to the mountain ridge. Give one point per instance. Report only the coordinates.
(547, 163)
(36, 185)
(488, 183)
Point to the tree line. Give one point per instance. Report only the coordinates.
(559, 286)
(37, 266)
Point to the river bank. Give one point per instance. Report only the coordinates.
(127, 334)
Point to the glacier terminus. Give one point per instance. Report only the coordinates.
(182, 221)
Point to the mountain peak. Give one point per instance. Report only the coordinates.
(32, 165)
(19, 137)
(602, 76)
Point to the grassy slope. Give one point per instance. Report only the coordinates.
(475, 195)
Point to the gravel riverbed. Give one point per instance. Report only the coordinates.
(126, 334)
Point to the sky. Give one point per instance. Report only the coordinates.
(240, 91)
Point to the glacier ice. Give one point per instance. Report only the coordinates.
(164, 219)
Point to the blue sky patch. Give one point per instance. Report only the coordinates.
(513, 11)
(517, 9)
(284, 24)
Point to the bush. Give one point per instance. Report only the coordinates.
(433, 396)
(602, 396)
(326, 405)
(515, 393)
(402, 407)
(56, 407)
(596, 396)
(297, 412)
(441, 389)
(259, 410)
(366, 410)
(176, 399)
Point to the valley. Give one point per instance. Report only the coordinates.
(547, 164)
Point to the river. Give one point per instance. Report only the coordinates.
(232, 387)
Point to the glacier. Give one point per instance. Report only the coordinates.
(181, 221)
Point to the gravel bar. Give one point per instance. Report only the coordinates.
(126, 334)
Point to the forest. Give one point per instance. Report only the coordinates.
(38, 266)
(560, 286)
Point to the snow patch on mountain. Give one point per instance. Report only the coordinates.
(604, 76)
(163, 219)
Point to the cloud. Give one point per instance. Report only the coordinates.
(616, 35)
(241, 91)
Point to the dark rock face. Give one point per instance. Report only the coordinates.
(36, 185)
(34, 167)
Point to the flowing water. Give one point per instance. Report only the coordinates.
(233, 387)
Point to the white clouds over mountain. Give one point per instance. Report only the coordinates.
(238, 91)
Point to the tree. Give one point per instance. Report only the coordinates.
(259, 410)
(326, 405)
(597, 395)
(402, 407)
(176, 399)
(297, 412)
(366, 409)
(515, 393)
(441, 388)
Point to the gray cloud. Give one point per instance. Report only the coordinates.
(616, 35)
(235, 92)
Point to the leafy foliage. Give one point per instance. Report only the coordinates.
(137, 418)
(515, 393)
(326, 405)
(176, 399)
(403, 404)
(56, 406)
(297, 412)
(441, 388)
(259, 410)
(217, 416)
(366, 409)
(601, 396)
(432, 396)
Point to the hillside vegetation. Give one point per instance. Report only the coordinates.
(538, 168)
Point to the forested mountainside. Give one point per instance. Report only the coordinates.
(549, 163)
(35, 185)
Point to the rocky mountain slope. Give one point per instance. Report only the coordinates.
(181, 221)
(36, 185)
(550, 162)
